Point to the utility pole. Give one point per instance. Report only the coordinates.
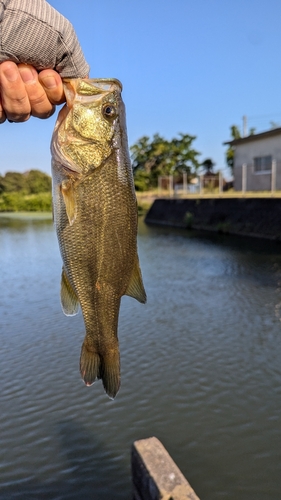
(245, 126)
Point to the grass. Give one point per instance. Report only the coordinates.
(145, 200)
(216, 194)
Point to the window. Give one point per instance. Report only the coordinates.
(263, 163)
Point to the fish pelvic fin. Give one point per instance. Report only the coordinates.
(135, 287)
(106, 367)
(69, 299)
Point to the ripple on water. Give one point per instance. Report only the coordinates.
(200, 370)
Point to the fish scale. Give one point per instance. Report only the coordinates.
(95, 216)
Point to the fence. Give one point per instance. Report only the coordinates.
(247, 177)
(178, 185)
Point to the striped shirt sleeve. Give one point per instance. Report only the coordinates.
(33, 32)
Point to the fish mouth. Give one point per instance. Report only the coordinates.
(89, 89)
(106, 84)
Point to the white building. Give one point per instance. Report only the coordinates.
(257, 161)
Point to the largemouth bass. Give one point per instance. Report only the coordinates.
(95, 216)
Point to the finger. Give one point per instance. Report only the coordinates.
(2, 114)
(14, 98)
(40, 105)
(52, 84)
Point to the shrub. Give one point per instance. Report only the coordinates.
(17, 202)
(188, 220)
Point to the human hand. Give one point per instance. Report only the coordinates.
(25, 93)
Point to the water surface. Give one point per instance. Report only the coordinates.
(200, 370)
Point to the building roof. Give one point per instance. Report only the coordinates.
(254, 137)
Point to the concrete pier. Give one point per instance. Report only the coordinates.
(155, 475)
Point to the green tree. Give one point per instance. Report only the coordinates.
(208, 165)
(30, 191)
(38, 182)
(12, 182)
(31, 182)
(1, 184)
(235, 134)
(158, 156)
(274, 125)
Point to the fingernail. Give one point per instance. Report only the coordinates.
(11, 73)
(49, 82)
(27, 75)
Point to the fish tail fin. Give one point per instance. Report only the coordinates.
(101, 366)
(89, 365)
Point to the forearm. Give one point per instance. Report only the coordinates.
(33, 32)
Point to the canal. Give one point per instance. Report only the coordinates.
(201, 369)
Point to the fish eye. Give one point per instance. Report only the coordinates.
(109, 111)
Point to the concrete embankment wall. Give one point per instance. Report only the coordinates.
(155, 475)
(259, 217)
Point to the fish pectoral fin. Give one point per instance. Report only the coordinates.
(68, 194)
(135, 287)
(69, 299)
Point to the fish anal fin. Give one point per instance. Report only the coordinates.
(135, 287)
(68, 193)
(69, 300)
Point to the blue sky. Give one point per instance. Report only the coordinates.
(190, 66)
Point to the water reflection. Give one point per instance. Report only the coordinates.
(200, 369)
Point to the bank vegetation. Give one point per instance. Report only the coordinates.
(25, 192)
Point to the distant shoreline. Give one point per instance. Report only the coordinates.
(26, 215)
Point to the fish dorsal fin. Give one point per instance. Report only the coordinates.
(69, 300)
(68, 193)
(135, 288)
